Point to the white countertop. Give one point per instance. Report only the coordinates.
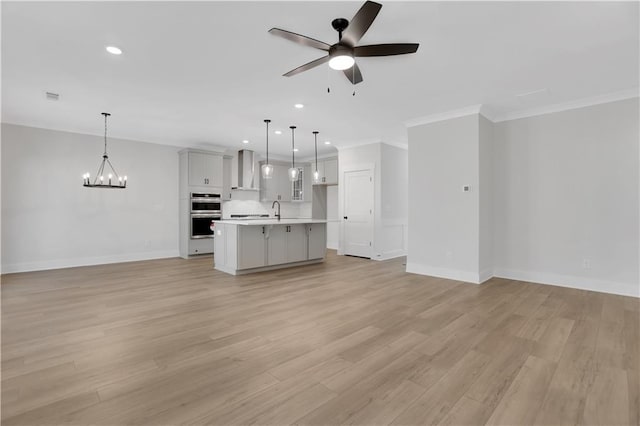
(268, 221)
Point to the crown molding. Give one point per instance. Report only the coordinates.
(401, 145)
(578, 103)
(357, 144)
(491, 115)
(448, 115)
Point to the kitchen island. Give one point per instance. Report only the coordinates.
(247, 246)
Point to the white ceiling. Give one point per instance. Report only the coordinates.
(203, 73)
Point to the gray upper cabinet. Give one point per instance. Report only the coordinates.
(226, 178)
(328, 171)
(278, 188)
(331, 172)
(205, 169)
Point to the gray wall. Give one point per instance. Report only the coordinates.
(444, 220)
(566, 197)
(554, 198)
(49, 220)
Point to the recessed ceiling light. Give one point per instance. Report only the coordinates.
(299, 106)
(295, 149)
(245, 141)
(114, 50)
(278, 132)
(327, 142)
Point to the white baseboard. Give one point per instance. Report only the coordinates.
(559, 280)
(569, 281)
(87, 261)
(390, 255)
(452, 274)
(486, 275)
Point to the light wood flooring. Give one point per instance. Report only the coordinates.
(349, 341)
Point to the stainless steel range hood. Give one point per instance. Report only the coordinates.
(247, 171)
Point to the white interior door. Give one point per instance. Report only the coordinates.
(358, 213)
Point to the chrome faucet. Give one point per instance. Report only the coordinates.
(273, 205)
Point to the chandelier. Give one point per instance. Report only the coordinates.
(112, 179)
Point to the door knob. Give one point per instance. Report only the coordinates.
(345, 218)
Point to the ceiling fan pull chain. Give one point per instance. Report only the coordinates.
(353, 79)
(328, 80)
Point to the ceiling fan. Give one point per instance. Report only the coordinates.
(341, 54)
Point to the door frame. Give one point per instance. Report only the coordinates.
(371, 167)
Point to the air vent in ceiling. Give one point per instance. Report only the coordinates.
(52, 96)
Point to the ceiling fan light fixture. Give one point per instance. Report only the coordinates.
(113, 50)
(341, 62)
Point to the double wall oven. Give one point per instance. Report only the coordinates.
(204, 209)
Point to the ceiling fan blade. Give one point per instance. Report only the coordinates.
(361, 23)
(353, 74)
(307, 66)
(300, 39)
(385, 49)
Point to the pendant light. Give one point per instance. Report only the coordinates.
(316, 175)
(267, 168)
(113, 180)
(293, 171)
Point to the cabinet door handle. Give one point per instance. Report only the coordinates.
(263, 229)
(345, 218)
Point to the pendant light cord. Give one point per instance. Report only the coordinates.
(293, 147)
(267, 121)
(315, 134)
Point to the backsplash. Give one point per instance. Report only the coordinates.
(245, 202)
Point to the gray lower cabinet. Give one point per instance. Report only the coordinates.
(317, 240)
(277, 245)
(286, 244)
(296, 243)
(242, 248)
(251, 247)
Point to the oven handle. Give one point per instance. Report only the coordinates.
(206, 200)
(202, 213)
(205, 215)
(199, 237)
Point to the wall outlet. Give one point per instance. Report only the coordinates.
(466, 188)
(586, 263)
